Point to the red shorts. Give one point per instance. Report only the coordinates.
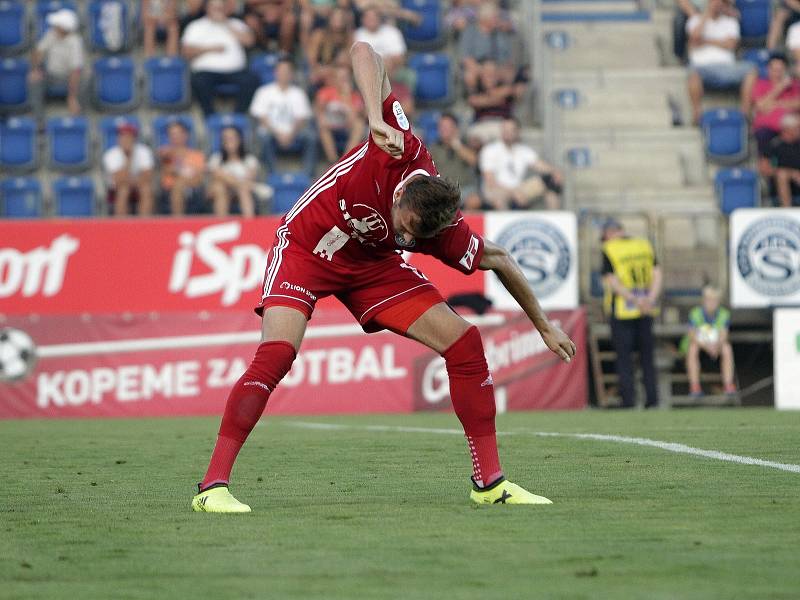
(297, 278)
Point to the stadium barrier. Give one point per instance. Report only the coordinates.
(154, 317)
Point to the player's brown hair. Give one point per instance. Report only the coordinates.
(434, 200)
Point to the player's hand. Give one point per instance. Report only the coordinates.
(388, 139)
(559, 343)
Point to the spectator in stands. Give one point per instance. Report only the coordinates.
(182, 172)
(685, 10)
(785, 158)
(274, 22)
(326, 44)
(461, 14)
(513, 175)
(234, 174)
(632, 282)
(339, 111)
(456, 161)
(713, 38)
(385, 38)
(389, 9)
(491, 98)
(786, 14)
(128, 169)
(57, 62)
(283, 111)
(766, 101)
(793, 43)
(708, 333)
(160, 21)
(484, 41)
(215, 46)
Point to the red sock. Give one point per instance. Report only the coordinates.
(472, 394)
(246, 402)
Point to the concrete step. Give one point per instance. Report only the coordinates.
(651, 118)
(602, 56)
(590, 180)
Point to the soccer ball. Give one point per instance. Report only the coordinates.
(17, 354)
(707, 334)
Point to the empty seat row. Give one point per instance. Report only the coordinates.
(21, 197)
(109, 23)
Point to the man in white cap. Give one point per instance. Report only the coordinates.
(57, 62)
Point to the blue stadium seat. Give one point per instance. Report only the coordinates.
(13, 27)
(759, 57)
(108, 129)
(429, 34)
(68, 142)
(288, 187)
(21, 198)
(755, 18)
(109, 25)
(428, 126)
(217, 122)
(18, 148)
(45, 7)
(737, 188)
(167, 82)
(14, 87)
(725, 133)
(115, 87)
(162, 123)
(433, 78)
(263, 65)
(74, 196)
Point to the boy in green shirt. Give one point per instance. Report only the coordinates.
(708, 332)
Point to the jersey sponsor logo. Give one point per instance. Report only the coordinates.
(331, 243)
(542, 252)
(285, 285)
(38, 271)
(768, 256)
(230, 271)
(402, 120)
(366, 223)
(469, 256)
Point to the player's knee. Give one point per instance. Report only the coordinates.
(271, 363)
(465, 356)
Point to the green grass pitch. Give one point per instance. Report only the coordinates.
(100, 509)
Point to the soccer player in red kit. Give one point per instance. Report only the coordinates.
(344, 237)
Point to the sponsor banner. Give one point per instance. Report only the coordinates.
(142, 265)
(765, 257)
(786, 357)
(545, 244)
(185, 363)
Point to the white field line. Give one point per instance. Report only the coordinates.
(215, 339)
(668, 446)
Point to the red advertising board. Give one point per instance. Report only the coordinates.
(142, 265)
(154, 364)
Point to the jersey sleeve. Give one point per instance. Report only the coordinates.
(457, 246)
(394, 116)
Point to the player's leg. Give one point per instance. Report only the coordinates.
(281, 334)
(471, 391)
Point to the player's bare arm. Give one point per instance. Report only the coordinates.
(373, 83)
(497, 259)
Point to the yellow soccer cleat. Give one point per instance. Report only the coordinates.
(218, 500)
(505, 492)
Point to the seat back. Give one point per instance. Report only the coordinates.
(21, 198)
(109, 24)
(263, 65)
(736, 188)
(14, 87)
(433, 76)
(18, 147)
(755, 17)
(68, 142)
(428, 125)
(429, 32)
(287, 188)
(115, 83)
(74, 196)
(217, 122)
(167, 82)
(725, 132)
(13, 26)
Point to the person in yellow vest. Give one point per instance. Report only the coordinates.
(632, 282)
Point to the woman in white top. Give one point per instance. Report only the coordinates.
(233, 172)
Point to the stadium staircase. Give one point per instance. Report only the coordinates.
(619, 133)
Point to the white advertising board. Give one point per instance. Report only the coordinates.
(765, 257)
(786, 357)
(545, 244)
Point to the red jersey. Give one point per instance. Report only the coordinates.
(345, 217)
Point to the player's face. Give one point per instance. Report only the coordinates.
(404, 222)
